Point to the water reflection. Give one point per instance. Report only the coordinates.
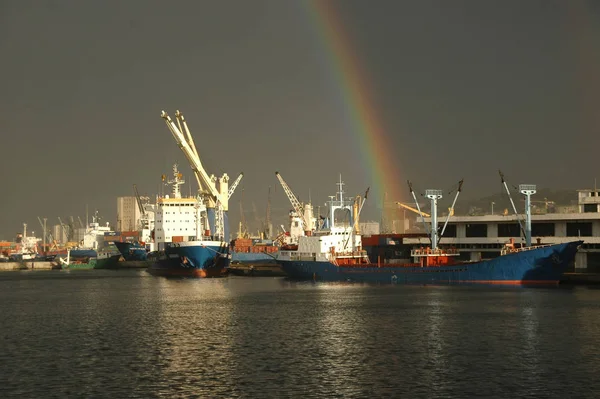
(193, 338)
(126, 335)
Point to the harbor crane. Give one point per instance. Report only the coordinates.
(268, 229)
(138, 199)
(47, 235)
(66, 230)
(234, 185)
(299, 208)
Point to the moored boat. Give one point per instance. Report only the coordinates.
(337, 254)
(101, 261)
(191, 233)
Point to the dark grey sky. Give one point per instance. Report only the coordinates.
(463, 88)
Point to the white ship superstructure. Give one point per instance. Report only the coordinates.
(27, 245)
(179, 219)
(338, 239)
(94, 234)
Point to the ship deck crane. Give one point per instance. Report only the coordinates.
(410, 208)
(297, 205)
(186, 144)
(207, 184)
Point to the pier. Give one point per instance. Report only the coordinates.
(8, 266)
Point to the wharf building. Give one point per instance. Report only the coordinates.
(128, 214)
(483, 236)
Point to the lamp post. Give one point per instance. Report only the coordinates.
(493, 207)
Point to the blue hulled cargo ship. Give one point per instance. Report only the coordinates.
(191, 233)
(192, 259)
(529, 266)
(337, 254)
(132, 251)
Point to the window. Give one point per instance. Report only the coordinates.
(509, 230)
(450, 230)
(577, 229)
(590, 208)
(542, 229)
(476, 230)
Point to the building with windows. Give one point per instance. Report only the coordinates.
(128, 214)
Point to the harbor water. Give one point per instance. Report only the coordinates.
(117, 334)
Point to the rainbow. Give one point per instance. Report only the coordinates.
(371, 138)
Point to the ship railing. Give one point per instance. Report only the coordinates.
(350, 254)
(509, 249)
(427, 251)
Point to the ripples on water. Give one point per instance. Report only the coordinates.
(128, 334)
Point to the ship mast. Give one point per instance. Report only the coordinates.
(434, 196)
(528, 190)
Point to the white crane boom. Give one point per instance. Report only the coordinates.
(234, 185)
(204, 181)
(298, 207)
(203, 185)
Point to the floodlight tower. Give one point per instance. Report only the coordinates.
(434, 196)
(528, 190)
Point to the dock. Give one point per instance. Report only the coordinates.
(578, 278)
(9, 266)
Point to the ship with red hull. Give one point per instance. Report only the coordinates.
(337, 254)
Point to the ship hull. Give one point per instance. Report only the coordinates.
(252, 259)
(202, 259)
(94, 263)
(132, 251)
(539, 266)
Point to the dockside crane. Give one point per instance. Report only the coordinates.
(47, 237)
(268, 225)
(243, 228)
(138, 200)
(298, 207)
(65, 229)
(234, 185)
